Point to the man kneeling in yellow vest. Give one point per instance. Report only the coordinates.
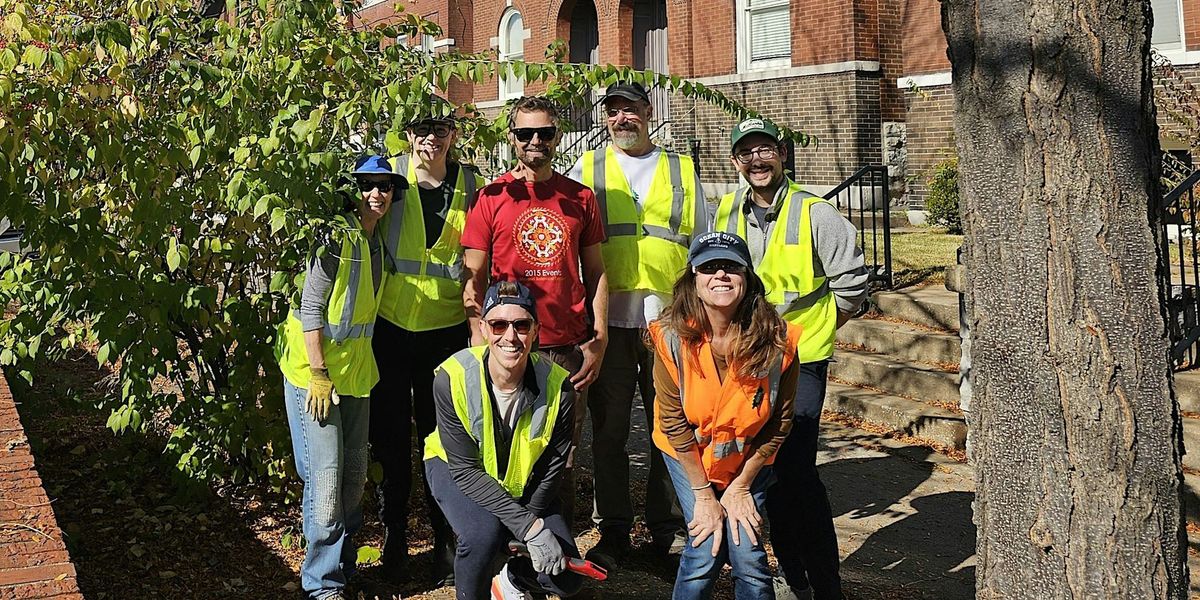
(504, 427)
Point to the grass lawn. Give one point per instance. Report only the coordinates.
(917, 256)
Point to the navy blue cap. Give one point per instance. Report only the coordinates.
(718, 245)
(524, 299)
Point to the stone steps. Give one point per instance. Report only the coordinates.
(896, 376)
(911, 417)
(901, 340)
(932, 306)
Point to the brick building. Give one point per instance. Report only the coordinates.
(869, 78)
(925, 80)
(825, 67)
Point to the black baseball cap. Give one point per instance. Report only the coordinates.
(632, 91)
(718, 245)
(523, 298)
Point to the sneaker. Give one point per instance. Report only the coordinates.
(612, 548)
(783, 591)
(504, 589)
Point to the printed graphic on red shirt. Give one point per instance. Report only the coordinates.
(541, 237)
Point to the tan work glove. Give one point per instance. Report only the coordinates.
(320, 394)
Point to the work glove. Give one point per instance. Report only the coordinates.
(544, 551)
(320, 394)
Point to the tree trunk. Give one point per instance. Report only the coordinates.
(1074, 431)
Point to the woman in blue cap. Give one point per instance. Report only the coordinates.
(324, 350)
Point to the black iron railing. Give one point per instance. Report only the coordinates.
(863, 198)
(1181, 269)
(587, 129)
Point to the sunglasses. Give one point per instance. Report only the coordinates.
(382, 186)
(440, 130)
(500, 326)
(525, 134)
(711, 268)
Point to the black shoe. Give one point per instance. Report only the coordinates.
(669, 546)
(612, 548)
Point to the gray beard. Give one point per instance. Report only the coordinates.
(625, 139)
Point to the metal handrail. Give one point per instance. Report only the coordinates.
(1181, 189)
(876, 177)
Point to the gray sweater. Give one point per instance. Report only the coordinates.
(465, 460)
(835, 243)
(318, 281)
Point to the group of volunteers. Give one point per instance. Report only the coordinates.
(496, 316)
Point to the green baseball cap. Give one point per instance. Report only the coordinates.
(750, 126)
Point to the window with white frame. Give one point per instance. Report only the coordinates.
(425, 44)
(764, 30)
(512, 47)
(1168, 18)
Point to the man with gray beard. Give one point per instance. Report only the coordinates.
(652, 205)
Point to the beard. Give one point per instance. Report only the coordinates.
(536, 162)
(626, 139)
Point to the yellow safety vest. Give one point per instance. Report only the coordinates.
(473, 404)
(646, 249)
(349, 323)
(799, 295)
(423, 287)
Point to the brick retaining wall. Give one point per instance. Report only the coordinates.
(34, 562)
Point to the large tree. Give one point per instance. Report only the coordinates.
(1074, 431)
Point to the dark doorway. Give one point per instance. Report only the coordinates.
(650, 50)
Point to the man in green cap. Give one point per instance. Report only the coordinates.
(807, 255)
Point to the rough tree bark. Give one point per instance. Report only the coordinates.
(1074, 431)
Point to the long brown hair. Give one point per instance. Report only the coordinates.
(760, 334)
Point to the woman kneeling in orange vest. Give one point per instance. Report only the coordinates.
(725, 373)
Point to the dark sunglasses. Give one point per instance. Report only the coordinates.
(525, 134)
(437, 129)
(711, 268)
(382, 186)
(500, 326)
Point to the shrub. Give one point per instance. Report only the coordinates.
(942, 202)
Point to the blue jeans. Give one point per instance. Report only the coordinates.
(331, 458)
(698, 568)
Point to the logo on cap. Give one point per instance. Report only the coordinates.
(749, 124)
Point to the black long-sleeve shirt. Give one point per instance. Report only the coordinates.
(465, 458)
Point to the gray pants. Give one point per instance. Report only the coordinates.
(627, 363)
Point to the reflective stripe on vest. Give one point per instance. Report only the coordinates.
(788, 268)
(473, 404)
(349, 323)
(423, 289)
(678, 199)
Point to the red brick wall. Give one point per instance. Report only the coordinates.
(930, 135)
(891, 61)
(924, 45)
(1191, 24)
(831, 31)
(842, 109)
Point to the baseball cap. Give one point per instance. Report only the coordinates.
(523, 298)
(372, 164)
(718, 245)
(632, 91)
(750, 126)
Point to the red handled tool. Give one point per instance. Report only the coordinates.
(586, 568)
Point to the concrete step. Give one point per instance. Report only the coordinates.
(1187, 391)
(901, 341)
(895, 376)
(911, 417)
(1191, 443)
(931, 306)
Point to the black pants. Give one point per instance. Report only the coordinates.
(403, 395)
(802, 530)
(481, 536)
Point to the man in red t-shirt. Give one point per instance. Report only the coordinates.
(539, 227)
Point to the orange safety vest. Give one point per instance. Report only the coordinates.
(726, 414)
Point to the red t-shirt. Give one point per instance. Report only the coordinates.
(534, 232)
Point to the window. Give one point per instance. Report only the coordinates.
(764, 34)
(425, 46)
(512, 47)
(1167, 35)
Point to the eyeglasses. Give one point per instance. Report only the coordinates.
(437, 129)
(525, 134)
(382, 186)
(628, 111)
(763, 152)
(711, 267)
(500, 326)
